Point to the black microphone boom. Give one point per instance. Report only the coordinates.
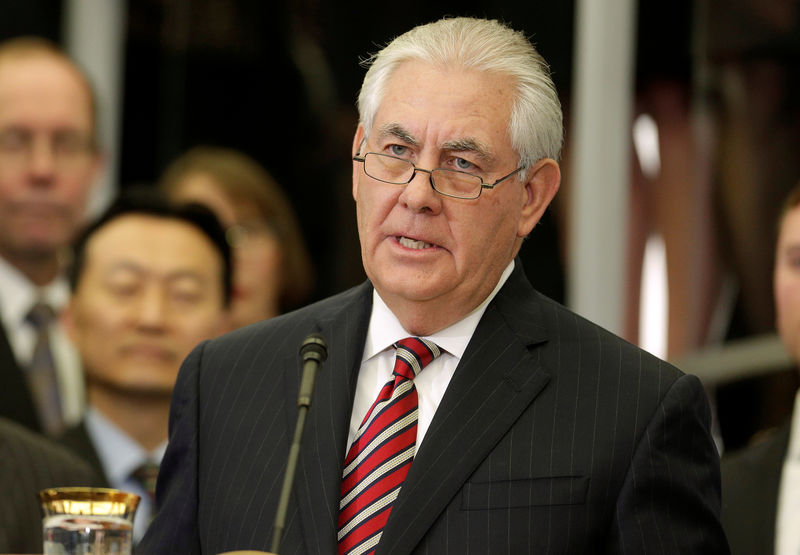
(313, 351)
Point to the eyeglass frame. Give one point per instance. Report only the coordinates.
(68, 148)
(483, 186)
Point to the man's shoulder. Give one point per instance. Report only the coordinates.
(751, 481)
(577, 334)
(41, 456)
(293, 326)
(765, 452)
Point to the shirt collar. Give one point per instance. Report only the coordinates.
(119, 452)
(18, 294)
(793, 452)
(385, 329)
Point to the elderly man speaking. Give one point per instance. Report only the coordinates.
(459, 411)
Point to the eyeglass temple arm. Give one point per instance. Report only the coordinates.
(496, 183)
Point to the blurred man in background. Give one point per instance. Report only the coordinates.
(48, 161)
(761, 484)
(150, 281)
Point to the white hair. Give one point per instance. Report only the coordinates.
(535, 127)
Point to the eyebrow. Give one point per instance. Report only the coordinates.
(397, 130)
(465, 144)
(470, 144)
(126, 266)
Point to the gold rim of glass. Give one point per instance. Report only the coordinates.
(87, 501)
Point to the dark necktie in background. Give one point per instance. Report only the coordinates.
(147, 475)
(381, 454)
(41, 373)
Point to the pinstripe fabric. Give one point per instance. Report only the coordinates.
(553, 436)
(29, 463)
(15, 397)
(382, 451)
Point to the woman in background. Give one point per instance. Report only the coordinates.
(272, 267)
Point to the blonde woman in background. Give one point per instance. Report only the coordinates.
(272, 267)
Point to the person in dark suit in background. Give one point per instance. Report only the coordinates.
(761, 483)
(458, 410)
(48, 162)
(150, 281)
(30, 463)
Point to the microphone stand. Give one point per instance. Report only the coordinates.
(313, 351)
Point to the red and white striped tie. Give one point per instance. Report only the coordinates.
(381, 454)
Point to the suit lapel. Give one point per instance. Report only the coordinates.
(496, 380)
(77, 439)
(344, 328)
(15, 398)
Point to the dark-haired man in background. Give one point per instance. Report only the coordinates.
(150, 281)
(48, 161)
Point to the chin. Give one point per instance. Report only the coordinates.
(150, 390)
(418, 292)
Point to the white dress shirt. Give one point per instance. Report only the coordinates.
(120, 455)
(787, 530)
(17, 296)
(377, 362)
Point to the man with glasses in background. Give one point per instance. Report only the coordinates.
(458, 411)
(48, 162)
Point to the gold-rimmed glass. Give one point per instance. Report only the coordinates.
(87, 520)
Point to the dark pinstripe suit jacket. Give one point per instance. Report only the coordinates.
(554, 436)
(29, 463)
(15, 398)
(751, 480)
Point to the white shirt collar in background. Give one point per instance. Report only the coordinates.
(120, 455)
(787, 532)
(17, 296)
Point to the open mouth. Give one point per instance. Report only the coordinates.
(413, 243)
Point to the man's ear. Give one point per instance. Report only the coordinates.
(543, 180)
(357, 140)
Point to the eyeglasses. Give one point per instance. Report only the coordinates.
(450, 183)
(69, 149)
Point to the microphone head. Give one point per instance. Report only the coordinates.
(314, 348)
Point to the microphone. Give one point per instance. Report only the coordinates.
(313, 352)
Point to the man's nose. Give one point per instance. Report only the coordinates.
(42, 162)
(419, 194)
(152, 309)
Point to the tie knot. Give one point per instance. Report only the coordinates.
(414, 354)
(40, 315)
(147, 476)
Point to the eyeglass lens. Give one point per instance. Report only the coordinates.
(399, 171)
